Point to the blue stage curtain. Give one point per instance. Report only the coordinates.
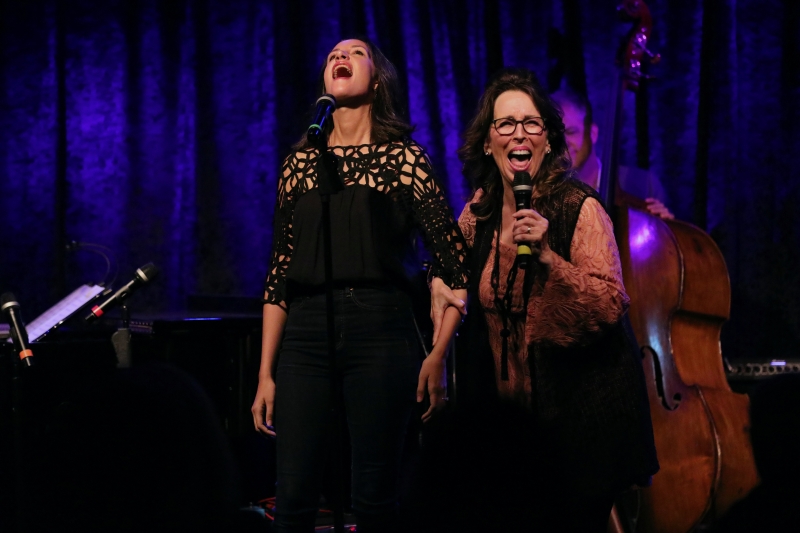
(157, 129)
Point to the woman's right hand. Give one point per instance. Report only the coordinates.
(442, 298)
(263, 406)
(657, 208)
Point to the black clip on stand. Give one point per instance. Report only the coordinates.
(121, 339)
(329, 182)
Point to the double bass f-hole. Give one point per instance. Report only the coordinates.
(659, 380)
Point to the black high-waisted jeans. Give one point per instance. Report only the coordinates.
(377, 360)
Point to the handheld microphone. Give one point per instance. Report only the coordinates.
(10, 306)
(523, 190)
(326, 104)
(143, 275)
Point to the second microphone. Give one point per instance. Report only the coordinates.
(523, 190)
(143, 275)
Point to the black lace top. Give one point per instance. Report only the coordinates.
(390, 191)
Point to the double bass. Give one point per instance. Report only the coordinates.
(679, 288)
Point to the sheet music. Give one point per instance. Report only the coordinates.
(57, 314)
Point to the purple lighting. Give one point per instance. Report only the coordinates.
(642, 234)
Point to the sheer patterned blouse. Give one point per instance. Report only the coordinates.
(390, 190)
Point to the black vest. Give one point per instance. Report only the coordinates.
(589, 402)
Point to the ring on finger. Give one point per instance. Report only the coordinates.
(528, 229)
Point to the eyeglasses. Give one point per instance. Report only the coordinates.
(508, 125)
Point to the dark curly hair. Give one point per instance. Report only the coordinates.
(388, 112)
(481, 170)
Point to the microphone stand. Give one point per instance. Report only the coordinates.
(21, 415)
(329, 182)
(14, 507)
(121, 339)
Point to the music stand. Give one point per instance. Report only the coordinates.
(54, 317)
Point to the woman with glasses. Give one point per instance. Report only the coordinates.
(550, 332)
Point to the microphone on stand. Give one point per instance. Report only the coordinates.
(326, 104)
(523, 190)
(143, 275)
(10, 306)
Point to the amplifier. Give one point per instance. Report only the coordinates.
(743, 375)
(762, 369)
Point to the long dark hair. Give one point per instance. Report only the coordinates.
(388, 112)
(481, 170)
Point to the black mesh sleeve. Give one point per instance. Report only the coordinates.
(292, 184)
(440, 231)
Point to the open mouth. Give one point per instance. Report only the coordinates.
(520, 157)
(342, 71)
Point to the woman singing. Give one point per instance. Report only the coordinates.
(551, 333)
(390, 190)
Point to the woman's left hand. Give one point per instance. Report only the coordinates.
(531, 228)
(432, 379)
